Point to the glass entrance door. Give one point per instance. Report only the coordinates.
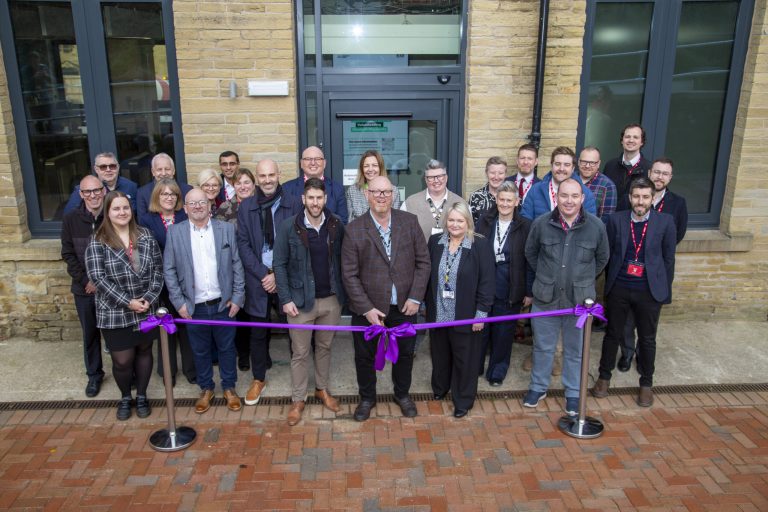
(407, 132)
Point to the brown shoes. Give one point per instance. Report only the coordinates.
(233, 401)
(204, 402)
(254, 392)
(645, 397)
(327, 399)
(600, 389)
(294, 415)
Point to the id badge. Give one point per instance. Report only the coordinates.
(449, 294)
(437, 231)
(635, 268)
(500, 258)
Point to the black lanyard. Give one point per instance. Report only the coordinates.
(437, 213)
(499, 239)
(450, 260)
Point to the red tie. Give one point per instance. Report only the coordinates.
(520, 188)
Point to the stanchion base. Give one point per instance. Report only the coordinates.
(163, 441)
(589, 429)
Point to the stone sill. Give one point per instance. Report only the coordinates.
(32, 250)
(713, 240)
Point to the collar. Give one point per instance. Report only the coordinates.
(441, 201)
(321, 178)
(555, 216)
(309, 225)
(644, 219)
(378, 226)
(527, 179)
(195, 229)
(658, 197)
(631, 162)
(465, 243)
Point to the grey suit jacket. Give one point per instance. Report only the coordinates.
(179, 273)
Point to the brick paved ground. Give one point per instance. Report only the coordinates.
(689, 452)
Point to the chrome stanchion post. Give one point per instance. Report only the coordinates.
(583, 426)
(173, 438)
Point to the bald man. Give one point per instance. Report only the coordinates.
(313, 166)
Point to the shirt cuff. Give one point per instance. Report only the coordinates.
(414, 301)
(481, 314)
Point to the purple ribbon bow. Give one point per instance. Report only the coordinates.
(166, 322)
(387, 349)
(583, 312)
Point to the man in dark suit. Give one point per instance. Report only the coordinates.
(638, 280)
(162, 167)
(313, 166)
(385, 270)
(631, 164)
(527, 160)
(204, 277)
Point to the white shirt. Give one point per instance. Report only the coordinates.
(229, 190)
(526, 186)
(309, 225)
(658, 197)
(632, 162)
(204, 263)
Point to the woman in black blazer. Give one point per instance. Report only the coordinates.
(460, 287)
(507, 230)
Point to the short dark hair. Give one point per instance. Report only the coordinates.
(640, 182)
(633, 125)
(225, 154)
(528, 147)
(563, 150)
(664, 160)
(315, 183)
(590, 148)
(495, 160)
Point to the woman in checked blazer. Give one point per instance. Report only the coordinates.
(123, 261)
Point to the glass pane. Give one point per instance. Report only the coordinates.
(312, 118)
(360, 33)
(138, 79)
(49, 70)
(699, 87)
(620, 40)
(406, 145)
(308, 11)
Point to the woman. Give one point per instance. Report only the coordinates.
(164, 210)
(123, 261)
(245, 186)
(371, 165)
(210, 181)
(460, 287)
(508, 231)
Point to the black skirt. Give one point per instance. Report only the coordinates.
(127, 337)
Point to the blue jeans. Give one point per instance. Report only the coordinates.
(545, 334)
(202, 337)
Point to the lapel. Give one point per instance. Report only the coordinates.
(373, 233)
(218, 239)
(186, 241)
(651, 233)
(624, 234)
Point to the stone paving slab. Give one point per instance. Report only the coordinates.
(692, 452)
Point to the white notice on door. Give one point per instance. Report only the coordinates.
(350, 175)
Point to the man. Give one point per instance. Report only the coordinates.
(106, 168)
(313, 166)
(567, 249)
(76, 231)
(631, 164)
(257, 220)
(639, 279)
(601, 186)
(229, 163)
(527, 160)
(307, 264)
(162, 167)
(204, 277)
(385, 269)
(428, 205)
(482, 199)
(542, 198)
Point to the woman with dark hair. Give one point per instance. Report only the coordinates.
(245, 186)
(460, 287)
(371, 165)
(123, 261)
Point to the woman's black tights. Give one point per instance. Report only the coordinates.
(134, 361)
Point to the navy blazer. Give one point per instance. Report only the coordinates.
(154, 223)
(659, 252)
(336, 201)
(250, 240)
(676, 206)
(144, 194)
(475, 277)
(537, 201)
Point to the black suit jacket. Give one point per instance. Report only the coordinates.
(659, 252)
(676, 206)
(474, 281)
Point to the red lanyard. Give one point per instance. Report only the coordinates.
(629, 172)
(660, 204)
(552, 194)
(166, 223)
(642, 237)
(565, 226)
(130, 250)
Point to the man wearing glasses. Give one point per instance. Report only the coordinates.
(428, 205)
(162, 167)
(107, 169)
(229, 162)
(599, 184)
(313, 166)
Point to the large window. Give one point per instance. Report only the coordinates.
(675, 66)
(88, 76)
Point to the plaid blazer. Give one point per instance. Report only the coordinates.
(368, 274)
(117, 282)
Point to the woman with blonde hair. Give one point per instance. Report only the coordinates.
(210, 182)
(371, 165)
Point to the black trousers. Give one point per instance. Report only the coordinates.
(455, 358)
(365, 355)
(646, 310)
(86, 313)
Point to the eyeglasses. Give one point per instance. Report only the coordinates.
(196, 204)
(313, 160)
(228, 164)
(104, 167)
(210, 186)
(92, 192)
(433, 179)
(588, 163)
(656, 172)
(168, 195)
(380, 193)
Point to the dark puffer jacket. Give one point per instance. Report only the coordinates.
(76, 231)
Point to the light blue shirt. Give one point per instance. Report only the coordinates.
(266, 251)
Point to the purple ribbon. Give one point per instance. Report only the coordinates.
(387, 348)
(583, 312)
(166, 322)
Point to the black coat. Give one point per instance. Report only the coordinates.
(621, 177)
(676, 206)
(77, 229)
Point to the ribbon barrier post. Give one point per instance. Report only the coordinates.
(583, 426)
(173, 438)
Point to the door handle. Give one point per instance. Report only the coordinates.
(362, 115)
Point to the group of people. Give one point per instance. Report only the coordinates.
(241, 245)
